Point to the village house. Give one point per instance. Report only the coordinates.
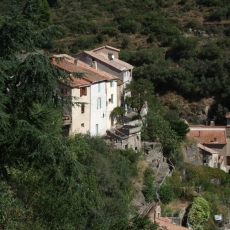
(106, 58)
(214, 144)
(96, 91)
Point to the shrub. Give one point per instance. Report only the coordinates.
(148, 187)
(166, 193)
(130, 26)
(126, 42)
(151, 38)
(199, 213)
(111, 31)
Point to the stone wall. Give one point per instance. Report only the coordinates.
(192, 155)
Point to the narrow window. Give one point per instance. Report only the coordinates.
(82, 108)
(96, 129)
(112, 84)
(83, 91)
(111, 98)
(99, 87)
(82, 125)
(228, 160)
(64, 91)
(98, 102)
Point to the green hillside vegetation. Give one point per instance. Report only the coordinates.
(48, 182)
(180, 46)
(213, 185)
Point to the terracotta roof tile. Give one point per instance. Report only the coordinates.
(90, 75)
(165, 222)
(208, 136)
(96, 72)
(106, 46)
(115, 63)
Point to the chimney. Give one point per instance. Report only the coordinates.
(212, 123)
(75, 61)
(111, 56)
(94, 64)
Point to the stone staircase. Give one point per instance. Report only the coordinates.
(157, 162)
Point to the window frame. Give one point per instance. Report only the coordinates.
(99, 103)
(82, 108)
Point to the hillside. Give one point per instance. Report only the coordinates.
(51, 182)
(181, 46)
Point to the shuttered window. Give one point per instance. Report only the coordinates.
(82, 108)
(228, 160)
(111, 98)
(83, 91)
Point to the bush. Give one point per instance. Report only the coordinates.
(111, 31)
(166, 193)
(130, 26)
(151, 38)
(210, 51)
(185, 47)
(148, 187)
(199, 213)
(126, 42)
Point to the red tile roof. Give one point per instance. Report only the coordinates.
(96, 72)
(208, 136)
(106, 46)
(90, 75)
(165, 222)
(115, 63)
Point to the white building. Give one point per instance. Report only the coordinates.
(106, 58)
(96, 90)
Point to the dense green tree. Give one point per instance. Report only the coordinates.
(159, 130)
(141, 90)
(148, 186)
(49, 182)
(178, 125)
(185, 47)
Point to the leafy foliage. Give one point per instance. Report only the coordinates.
(148, 186)
(199, 213)
(166, 193)
(49, 182)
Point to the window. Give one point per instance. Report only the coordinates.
(83, 91)
(112, 84)
(99, 87)
(82, 108)
(64, 91)
(96, 129)
(98, 102)
(126, 146)
(228, 160)
(82, 125)
(111, 98)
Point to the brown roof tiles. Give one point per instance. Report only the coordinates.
(115, 63)
(166, 222)
(89, 74)
(208, 136)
